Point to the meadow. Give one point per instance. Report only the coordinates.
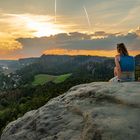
(41, 79)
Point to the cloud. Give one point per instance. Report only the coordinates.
(138, 31)
(104, 34)
(108, 43)
(77, 41)
(13, 26)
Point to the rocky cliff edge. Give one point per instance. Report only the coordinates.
(95, 111)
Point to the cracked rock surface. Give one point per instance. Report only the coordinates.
(95, 111)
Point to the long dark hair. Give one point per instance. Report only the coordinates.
(122, 49)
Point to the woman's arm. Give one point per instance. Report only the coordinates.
(118, 68)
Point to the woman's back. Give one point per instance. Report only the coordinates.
(127, 64)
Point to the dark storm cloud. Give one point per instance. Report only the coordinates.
(77, 41)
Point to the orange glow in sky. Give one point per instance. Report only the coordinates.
(36, 19)
(110, 53)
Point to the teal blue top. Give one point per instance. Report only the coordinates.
(127, 63)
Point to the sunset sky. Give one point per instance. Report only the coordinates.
(30, 28)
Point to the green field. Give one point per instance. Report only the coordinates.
(41, 79)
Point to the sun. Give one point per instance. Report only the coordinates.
(43, 29)
(42, 26)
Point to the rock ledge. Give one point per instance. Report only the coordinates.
(95, 111)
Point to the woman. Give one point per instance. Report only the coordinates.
(125, 65)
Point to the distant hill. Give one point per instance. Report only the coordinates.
(51, 59)
(28, 61)
(54, 60)
(59, 64)
(83, 68)
(63, 64)
(8, 66)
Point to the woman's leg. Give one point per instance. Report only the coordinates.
(114, 79)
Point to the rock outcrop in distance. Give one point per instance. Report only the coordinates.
(95, 111)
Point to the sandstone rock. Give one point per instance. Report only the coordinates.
(95, 111)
